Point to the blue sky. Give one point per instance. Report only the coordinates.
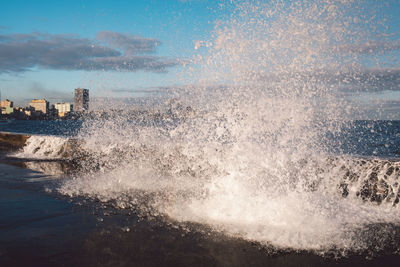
(123, 48)
(176, 24)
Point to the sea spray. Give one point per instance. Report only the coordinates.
(252, 160)
(44, 147)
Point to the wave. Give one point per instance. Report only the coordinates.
(252, 160)
(319, 202)
(44, 147)
(370, 179)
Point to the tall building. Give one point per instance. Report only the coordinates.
(40, 105)
(81, 100)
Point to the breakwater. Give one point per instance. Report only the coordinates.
(12, 141)
(40, 146)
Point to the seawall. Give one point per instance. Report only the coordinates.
(12, 141)
(67, 148)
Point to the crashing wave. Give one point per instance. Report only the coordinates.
(42, 147)
(253, 161)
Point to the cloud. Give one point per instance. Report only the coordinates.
(378, 109)
(369, 47)
(343, 80)
(130, 44)
(362, 80)
(38, 90)
(109, 51)
(134, 91)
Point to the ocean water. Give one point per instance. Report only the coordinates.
(366, 138)
(56, 127)
(331, 203)
(268, 153)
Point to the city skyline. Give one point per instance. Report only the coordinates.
(50, 100)
(42, 109)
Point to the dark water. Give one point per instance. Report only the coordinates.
(363, 138)
(367, 138)
(58, 127)
(41, 228)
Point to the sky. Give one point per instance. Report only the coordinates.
(125, 48)
(51, 47)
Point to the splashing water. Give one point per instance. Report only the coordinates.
(252, 160)
(43, 147)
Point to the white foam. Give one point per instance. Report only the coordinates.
(43, 147)
(252, 161)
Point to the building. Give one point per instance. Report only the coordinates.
(28, 111)
(6, 107)
(40, 105)
(6, 103)
(63, 108)
(81, 100)
(9, 110)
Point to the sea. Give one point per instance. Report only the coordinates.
(108, 207)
